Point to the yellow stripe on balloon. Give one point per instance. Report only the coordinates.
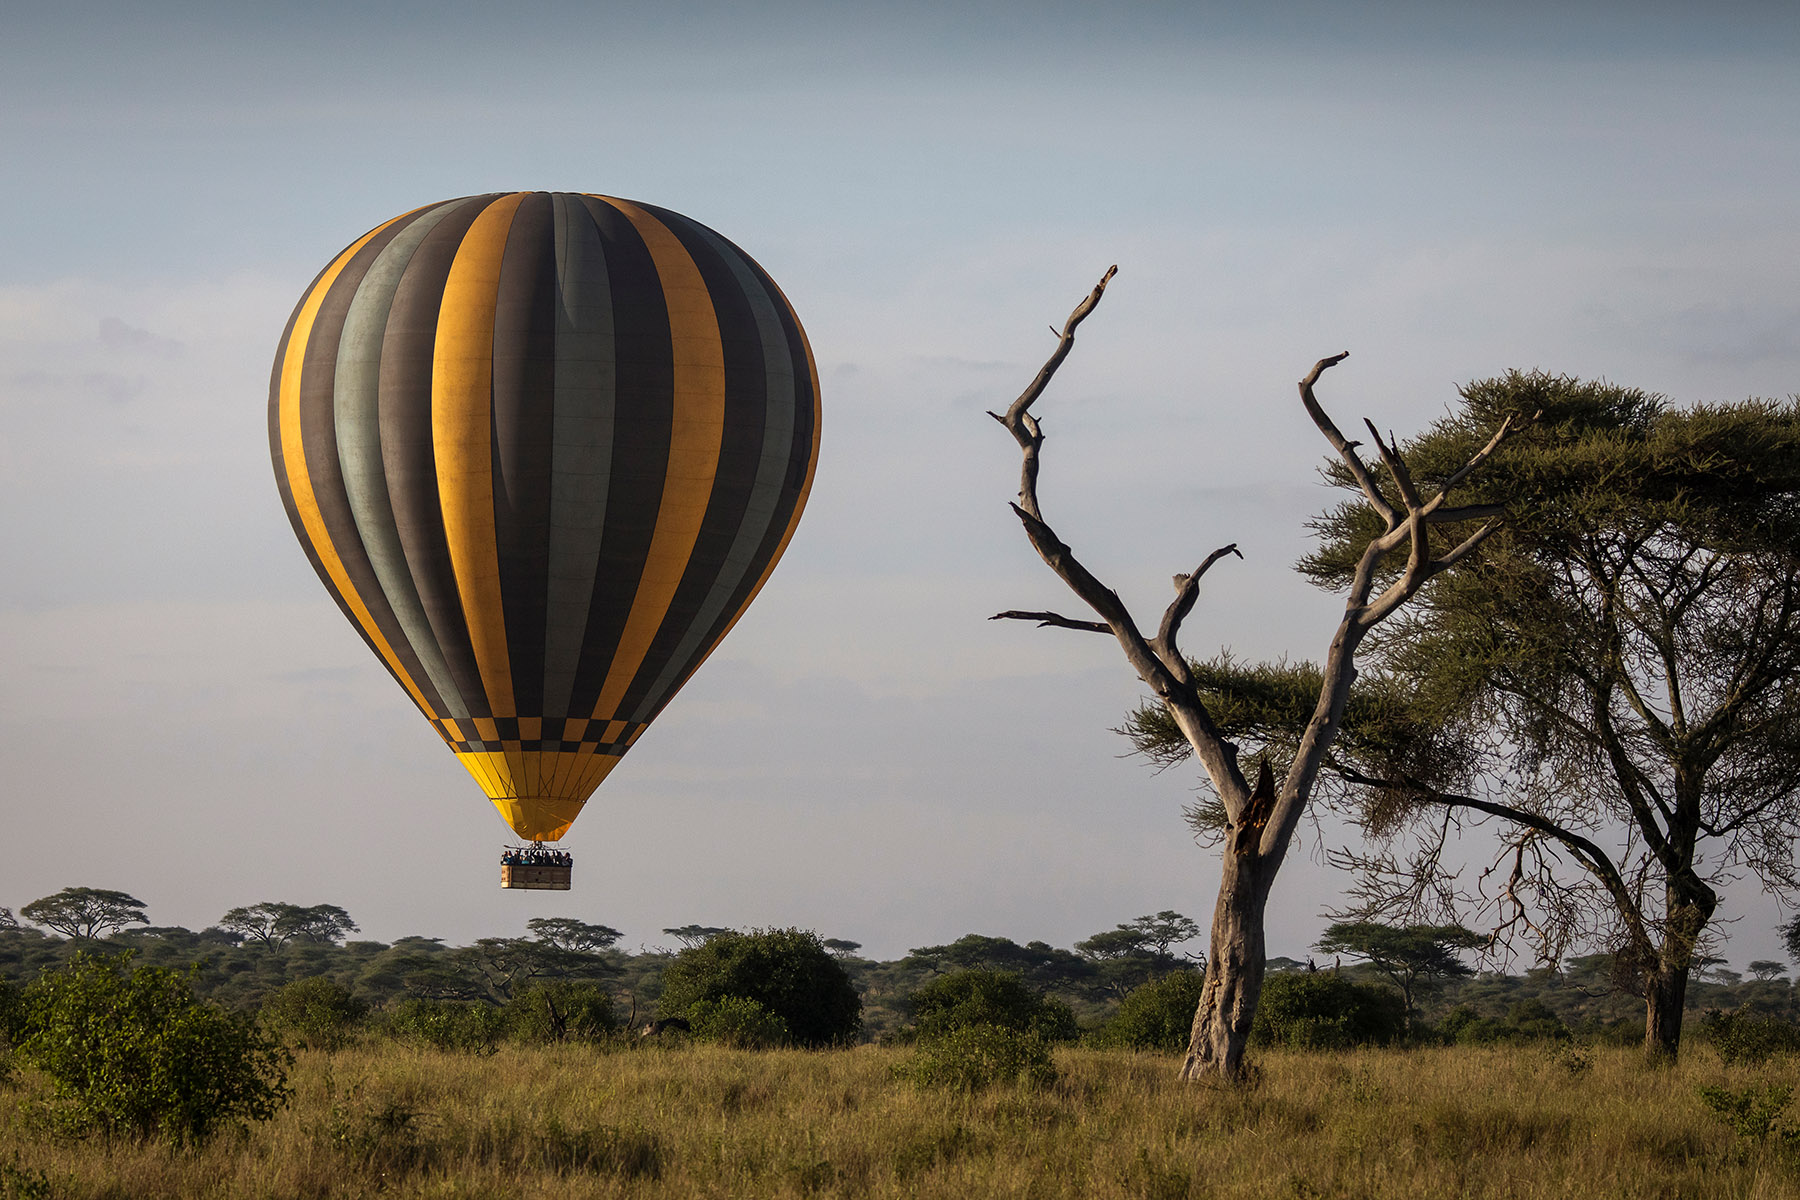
(462, 441)
(293, 458)
(696, 433)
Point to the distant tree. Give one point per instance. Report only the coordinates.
(842, 948)
(787, 971)
(1038, 963)
(1765, 969)
(86, 913)
(1132, 954)
(7, 920)
(1412, 956)
(695, 935)
(566, 933)
(496, 970)
(273, 923)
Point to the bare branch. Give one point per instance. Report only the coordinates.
(1047, 619)
(1187, 590)
(1346, 449)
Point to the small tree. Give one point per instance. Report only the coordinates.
(1413, 957)
(1417, 535)
(85, 913)
(133, 1052)
(788, 971)
(566, 933)
(273, 923)
(695, 935)
(1764, 969)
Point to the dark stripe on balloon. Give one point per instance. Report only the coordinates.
(740, 451)
(357, 403)
(524, 383)
(582, 463)
(741, 566)
(318, 431)
(407, 352)
(796, 479)
(643, 418)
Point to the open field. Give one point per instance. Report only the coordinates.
(705, 1121)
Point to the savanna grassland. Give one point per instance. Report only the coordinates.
(693, 1120)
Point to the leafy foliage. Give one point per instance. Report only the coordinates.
(1324, 1011)
(1001, 999)
(739, 1022)
(470, 1026)
(562, 1010)
(973, 1057)
(566, 933)
(1158, 1015)
(318, 1012)
(133, 1052)
(1747, 1038)
(788, 971)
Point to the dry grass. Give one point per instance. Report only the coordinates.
(703, 1121)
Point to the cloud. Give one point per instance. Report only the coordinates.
(115, 334)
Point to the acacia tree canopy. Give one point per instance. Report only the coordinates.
(1615, 678)
(1411, 955)
(86, 913)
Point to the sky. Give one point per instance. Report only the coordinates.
(1594, 189)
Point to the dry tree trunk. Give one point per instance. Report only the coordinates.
(1260, 820)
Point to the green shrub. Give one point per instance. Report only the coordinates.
(1158, 1015)
(133, 1052)
(1742, 1037)
(977, 1056)
(12, 1014)
(319, 1012)
(787, 971)
(466, 1025)
(964, 999)
(738, 1021)
(1527, 1021)
(1324, 1011)
(562, 1010)
(1752, 1112)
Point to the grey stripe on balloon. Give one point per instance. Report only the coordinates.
(356, 399)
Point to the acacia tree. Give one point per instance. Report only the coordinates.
(273, 923)
(1412, 956)
(1259, 818)
(1619, 671)
(86, 913)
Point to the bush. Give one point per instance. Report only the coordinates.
(12, 1014)
(1527, 1021)
(964, 999)
(787, 971)
(562, 1010)
(466, 1025)
(738, 1021)
(1324, 1011)
(133, 1052)
(319, 1012)
(1741, 1037)
(976, 1056)
(1158, 1015)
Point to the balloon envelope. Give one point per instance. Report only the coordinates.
(543, 449)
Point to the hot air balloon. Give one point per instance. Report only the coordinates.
(543, 449)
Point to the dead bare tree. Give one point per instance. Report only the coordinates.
(1261, 817)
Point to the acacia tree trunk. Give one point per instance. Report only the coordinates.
(1234, 973)
(1690, 906)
